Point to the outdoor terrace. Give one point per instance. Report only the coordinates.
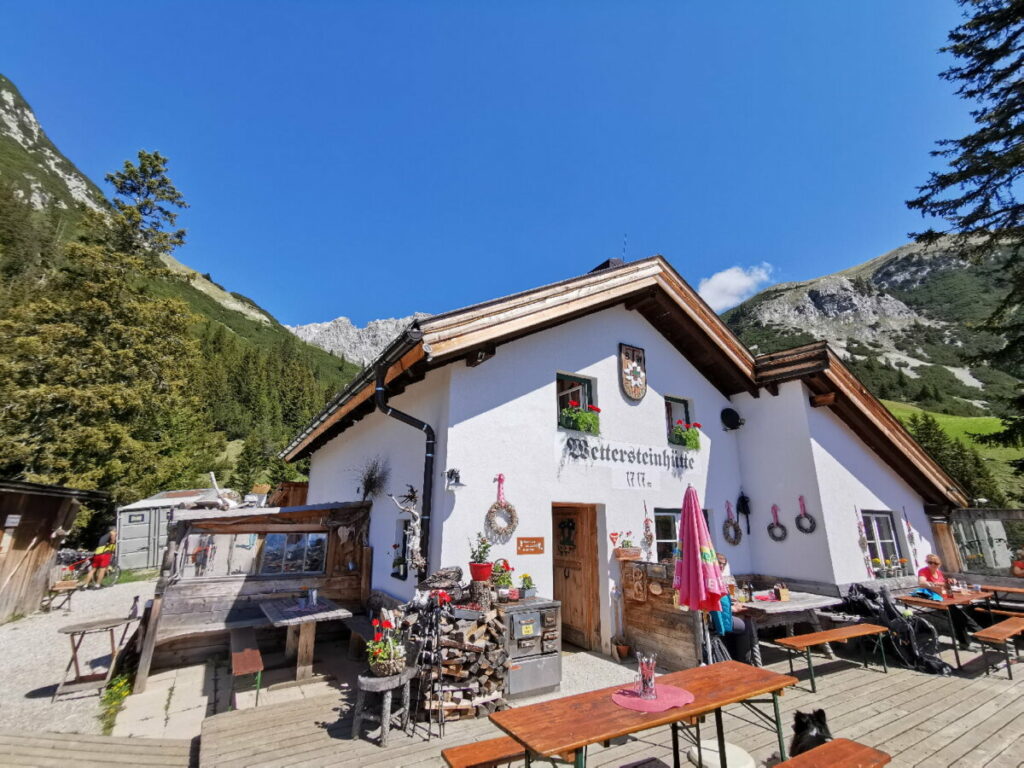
(966, 720)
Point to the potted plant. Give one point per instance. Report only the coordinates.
(878, 567)
(526, 586)
(386, 652)
(622, 647)
(581, 419)
(686, 435)
(624, 549)
(502, 579)
(479, 567)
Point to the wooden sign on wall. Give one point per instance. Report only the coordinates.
(530, 545)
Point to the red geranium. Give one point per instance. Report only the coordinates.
(388, 624)
(696, 425)
(574, 403)
(594, 408)
(443, 597)
(378, 637)
(679, 421)
(376, 622)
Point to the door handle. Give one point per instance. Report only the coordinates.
(565, 573)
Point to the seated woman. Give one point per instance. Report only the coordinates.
(737, 634)
(932, 577)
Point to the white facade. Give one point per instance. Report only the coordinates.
(501, 417)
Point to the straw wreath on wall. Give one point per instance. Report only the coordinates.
(501, 520)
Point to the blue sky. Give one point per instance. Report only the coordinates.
(374, 159)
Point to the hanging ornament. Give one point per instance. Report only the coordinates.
(731, 528)
(862, 541)
(501, 520)
(743, 508)
(804, 522)
(776, 530)
(911, 538)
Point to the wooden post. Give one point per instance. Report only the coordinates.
(366, 575)
(945, 546)
(148, 645)
(307, 641)
(291, 641)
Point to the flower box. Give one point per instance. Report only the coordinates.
(481, 571)
(628, 553)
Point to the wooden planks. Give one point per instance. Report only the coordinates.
(656, 623)
(1002, 631)
(60, 750)
(246, 658)
(839, 753)
(484, 754)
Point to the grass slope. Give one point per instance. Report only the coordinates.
(965, 428)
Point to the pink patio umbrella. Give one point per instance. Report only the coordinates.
(698, 577)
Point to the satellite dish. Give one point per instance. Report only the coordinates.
(731, 419)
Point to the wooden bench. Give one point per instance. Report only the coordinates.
(484, 754)
(1002, 634)
(63, 589)
(804, 643)
(246, 658)
(839, 753)
(1005, 612)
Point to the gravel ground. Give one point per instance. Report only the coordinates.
(33, 656)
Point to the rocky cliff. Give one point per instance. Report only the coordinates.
(358, 345)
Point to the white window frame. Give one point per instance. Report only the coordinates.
(871, 533)
(674, 515)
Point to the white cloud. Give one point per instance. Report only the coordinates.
(729, 287)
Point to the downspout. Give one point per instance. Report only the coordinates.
(381, 401)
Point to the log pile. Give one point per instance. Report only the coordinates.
(465, 675)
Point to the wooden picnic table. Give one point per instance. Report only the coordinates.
(77, 634)
(801, 606)
(301, 620)
(995, 589)
(572, 723)
(947, 602)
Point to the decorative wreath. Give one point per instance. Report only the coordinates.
(805, 523)
(776, 530)
(501, 509)
(731, 527)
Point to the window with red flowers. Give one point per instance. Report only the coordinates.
(574, 391)
(677, 410)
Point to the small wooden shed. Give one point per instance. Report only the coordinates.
(34, 519)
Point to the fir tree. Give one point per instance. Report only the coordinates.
(977, 193)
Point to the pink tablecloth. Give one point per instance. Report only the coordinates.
(668, 696)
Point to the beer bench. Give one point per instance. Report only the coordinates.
(839, 753)
(1002, 634)
(246, 658)
(804, 643)
(484, 754)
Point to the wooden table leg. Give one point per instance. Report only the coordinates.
(291, 641)
(307, 639)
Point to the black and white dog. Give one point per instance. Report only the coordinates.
(809, 731)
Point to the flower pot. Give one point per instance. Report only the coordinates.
(502, 594)
(387, 667)
(513, 595)
(524, 592)
(628, 553)
(623, 651)
(481, 571)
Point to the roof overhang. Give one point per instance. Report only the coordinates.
(828, 378)
(654, 289)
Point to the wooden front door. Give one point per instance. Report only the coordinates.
(574, 540)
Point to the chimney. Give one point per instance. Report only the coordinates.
(609, 264)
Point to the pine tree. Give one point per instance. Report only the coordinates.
(978, 193)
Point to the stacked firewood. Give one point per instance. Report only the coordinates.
(465, 675)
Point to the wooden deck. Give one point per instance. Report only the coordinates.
(72, 750)
(919, 719)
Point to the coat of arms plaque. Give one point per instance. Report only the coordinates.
(633, 366)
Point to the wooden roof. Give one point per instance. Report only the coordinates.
(654, 289)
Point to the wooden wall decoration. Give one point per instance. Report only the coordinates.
(657, 624)
(638, 588)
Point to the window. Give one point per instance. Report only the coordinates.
(294, 553)
(676, 409)
(576, 389)
(666, 533)
(881, 535)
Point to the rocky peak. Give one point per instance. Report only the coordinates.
(31, 163)
(358, 345)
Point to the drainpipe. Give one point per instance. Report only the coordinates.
(381, 400)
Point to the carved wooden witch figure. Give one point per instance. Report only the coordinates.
(406, 503)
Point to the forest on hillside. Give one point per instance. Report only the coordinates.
(111, 380)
